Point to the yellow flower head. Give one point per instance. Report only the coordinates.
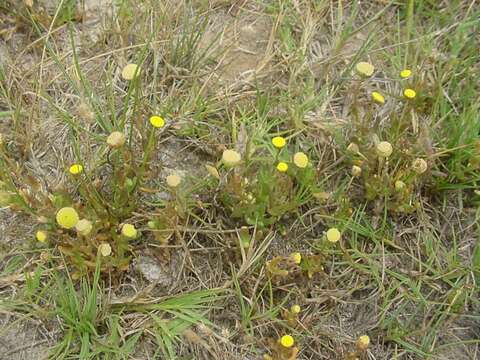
(231, 158)
(282, 166)
(128, 230)
(378, 98)
(399, 185)
(409, 93)
(419, 166)
(356, 171)
(67, 217)
(295, 309)
(287, 341)
(300, 160)
(212, 170)
(296, 257)
(116, 139)
(105, 249)
(279, 142)
(405, 73)
(76, 169)
(333, 235)
(384, 149)
(364, 68)
(363, 342)
(157, 121)
(130, 71)
(173, 180)
(41, 236)
(84, 227)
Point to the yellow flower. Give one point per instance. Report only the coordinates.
(76, 169)
(365, 68)
(356, 171)
(279, 142)
(409, 93)
(282, 166)
(378, 98)
(296, 257)
(173, 180)
(212, 171)
(157, 121)
(67, 217)
(231, 158)
(419, 166)
(384, 149)
(300, 159)
(130, 71)
(295, 309)
(399, 185)
(41, 236)
(105, 249)
(287, 341)
(129, 231)
(116, 139)
(333, 235)
(363, 342)
(405, 73)
(84, 227)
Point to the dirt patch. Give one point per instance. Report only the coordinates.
(22, 340)
(240, 45)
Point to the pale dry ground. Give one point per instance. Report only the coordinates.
(241, 41)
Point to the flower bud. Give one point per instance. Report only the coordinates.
(384, 149)
(231, 158)
(356, 171)
(116, 139)
(84, 227)
(399, 185)
(419, 166)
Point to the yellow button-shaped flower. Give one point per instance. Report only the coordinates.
(41, 236)
(363, 342)
(295, 309)
(419, 166)
(231, 158)
(279, 142)
(105, 249)
(157, 121)
(356, 171)
(365, 68)
(84, 227)
(384, 149)
(409, 93)
(399, 185)
(212, 170)
(287, 341)
(76, 169)
(333, 235)
(296, 257)
(129, 231)
(116, 139)
(130, 71)
(300, 160)
(378, 98)
(173, 180)
(67, 217)
(282, 166)
(405, 73)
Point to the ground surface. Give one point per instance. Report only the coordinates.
(231, 75)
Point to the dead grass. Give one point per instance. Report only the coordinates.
(224, 72)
